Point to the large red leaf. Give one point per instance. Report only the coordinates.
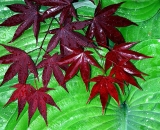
(79, 60)
(104, 23)
(22, 92)
(68, 37)
(21, 63)
(105, 86)
(28, 15)
(39, 99)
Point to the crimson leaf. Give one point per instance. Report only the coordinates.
(39, 99)
(68, 37)
(104, 23)
(105, 86)
(28, 15)
(79, 60)
(120, 52)
(125, 72)
(22, 92)
(21, 63)
(50, 65)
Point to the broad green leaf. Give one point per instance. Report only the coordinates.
(145, 30)
(141, 111)
(136, 11)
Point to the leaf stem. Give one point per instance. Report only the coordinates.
(41, 47)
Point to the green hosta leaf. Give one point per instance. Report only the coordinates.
(145, 30)
(141, 111)
(136, 11)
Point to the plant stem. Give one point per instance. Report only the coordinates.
(41, 47)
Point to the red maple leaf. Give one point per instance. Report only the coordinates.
(68, 37)
(105, 86)
(125, 72)
(122, 52)
(39, 99)
(22, 92)
(50, 65)
(21, 63)
(104, 23)
(64, 6)
(79, 60)
(28, 15)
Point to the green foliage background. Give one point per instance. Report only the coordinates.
(141, 110)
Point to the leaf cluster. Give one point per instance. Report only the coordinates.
(74, 53)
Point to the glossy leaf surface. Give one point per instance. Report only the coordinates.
(141, 109)
(68, 37)
(28, 15)
(79, 60)
(104, 23)
(21, 63)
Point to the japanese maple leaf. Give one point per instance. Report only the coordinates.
(22, 92)
(39, 99)
(104, 23)
(64, 6)
(50, 65)
(68, 37)
(125, 72)
(120, 52)
(79, 60)
(27, 15)
(20, 64)
(105, 86)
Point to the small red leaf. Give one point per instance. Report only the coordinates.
(39, 99)
(50, 65)
(105, 87)
(22, 92)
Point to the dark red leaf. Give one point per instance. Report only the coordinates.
(68, 37)
(104, 23)
(39, 99)
(125, 72)
(120, 52)
(22, 92)
(29, 14)
(21, 63)
(105, 87)
(79, 60)
(50, 65)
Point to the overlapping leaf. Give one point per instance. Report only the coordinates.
(50, 65)
(104, 23)
(28, 15)
(79, 60)
(120, 52)
(22, 92)
(68, 37)
(39, 99)
(21, 63)
(125, 71)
